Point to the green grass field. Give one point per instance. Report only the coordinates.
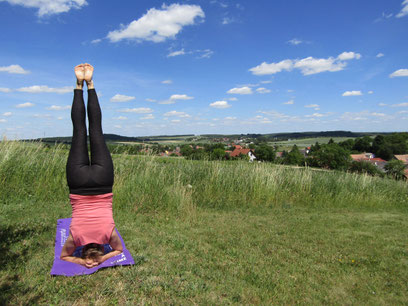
(206, 232)
(306, 142)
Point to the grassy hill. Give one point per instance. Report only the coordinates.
(209, 233)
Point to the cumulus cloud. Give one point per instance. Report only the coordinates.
(157, 25)
(240, 90)
(352, 93)
(140, 110)
(379, 55)
(400, 105)
(44, 88)
(399, 73)
(14, 69)
(49, 7)
(7, 114)
(120, 118)
(96, 41)
(176, 53)
(308, 65)
(290, 102)
(24, 105)
(404, 10)
(263, 90)
(232, 99)
(272, 68)
(147, 117)
(58, 107)
(121, 98)
(370, 92)
(294, 41)
(167, 82)
(177, 114)
(3, 120)
(220, 104)
(5, 90)
(173, 99)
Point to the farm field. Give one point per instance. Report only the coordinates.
(307, 142)
(206, 232)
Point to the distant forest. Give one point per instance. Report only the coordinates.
(261, 137)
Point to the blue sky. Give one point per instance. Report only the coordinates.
(214, 66)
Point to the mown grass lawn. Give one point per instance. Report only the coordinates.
(294, 236)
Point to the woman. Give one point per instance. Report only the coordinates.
(90, 182)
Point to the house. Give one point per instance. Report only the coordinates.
(403, 158)
(279, 154)
(369, 157)
(240, 151)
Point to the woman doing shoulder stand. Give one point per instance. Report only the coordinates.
(90, 181)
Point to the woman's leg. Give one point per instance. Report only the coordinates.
(78, 159)
(101, 160)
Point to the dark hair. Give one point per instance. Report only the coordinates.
(92, 250)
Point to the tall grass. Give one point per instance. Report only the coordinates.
(209, 232)
(149, 183)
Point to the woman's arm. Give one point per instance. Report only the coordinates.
(68, 249)
(116, 245)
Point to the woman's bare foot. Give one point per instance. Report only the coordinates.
(80, 75)
(88, 75)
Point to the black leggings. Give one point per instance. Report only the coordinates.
(84, 177)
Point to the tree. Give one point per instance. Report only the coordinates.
(362, 144)
(332, 156)
(395, 169)
(347, 144)
(364, 167)
(294, 157)
(218, 153)
(265, 153)
(186, 150)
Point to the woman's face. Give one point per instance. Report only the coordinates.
(92, 262)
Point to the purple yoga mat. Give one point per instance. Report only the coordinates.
(62, 267)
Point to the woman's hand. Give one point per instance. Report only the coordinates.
(80, 75)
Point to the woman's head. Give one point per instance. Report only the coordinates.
(92, 251)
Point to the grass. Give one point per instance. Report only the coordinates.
(307, 142)
(206, 232)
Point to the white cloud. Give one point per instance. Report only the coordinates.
(23, 105)
(230, 118)
(308, 65)
(290, 102)
(176, 53)
(207, 53)
(7, 114)
(175, 120)
(240, 90)
(58, 107)
(379, 55)
(263, 90)
(345, 56)
(266, 82)
(312, 106)
(177, 114)
(140, 110)
(400, 104)
(272, 68)
(382, 104)
(121, 98)
(377, 114)
(96, 41)
(150, 100)
(180, 97)
(147, 117)
(220, 104)
(48, 116)
(352, 93)
(404, 10)
(60, 118)
(315, 115)
(3, 120)
(167, 82)
(294, 41)
(370, 92)
(44, 88)
(232, 99)
(158, 25)
(14, 69)
(290, 90)
(49, 7)
(227, 20)
(399, 73)
(120, 118)
(117, 126)
(5, 90)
